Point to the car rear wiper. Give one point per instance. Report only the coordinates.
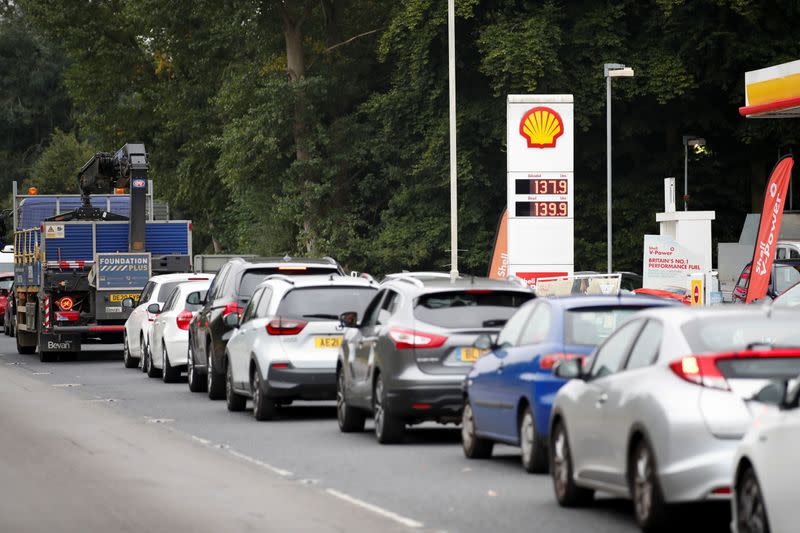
(761, 346)
(493, 323)
(321, 315)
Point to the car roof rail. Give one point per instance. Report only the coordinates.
(330, 260)
(282, 277)
(406, 278)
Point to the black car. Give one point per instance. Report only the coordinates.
(229, 293)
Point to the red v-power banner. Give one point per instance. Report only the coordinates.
(498, 269)
(769, 228)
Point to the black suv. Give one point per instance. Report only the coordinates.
(229, 293)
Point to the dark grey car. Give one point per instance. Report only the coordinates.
(406, 360)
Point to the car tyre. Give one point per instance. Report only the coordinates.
(351, 420)
(534, 449)
(216, 383)
(152, 371)
(196, 379)
(649, 506)
(127, 359)
(568, 494)
(143, 348)
(474, 447)
(264, 408)
(169, 373)
(751, 513)
(388, 429)
(236, 402)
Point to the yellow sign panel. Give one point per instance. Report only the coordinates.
(122, 296)
(697, 292)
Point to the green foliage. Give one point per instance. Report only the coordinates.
(56, 169)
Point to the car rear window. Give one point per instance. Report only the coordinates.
(325, 303)
(468, 308)
(251, 278)
(734, 333)
(165, 290)
(760, 368)
(589, 326)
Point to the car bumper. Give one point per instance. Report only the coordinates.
(302, 383)
(427, 402)
(178, 350)
(697, 477)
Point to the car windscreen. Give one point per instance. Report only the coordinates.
(251, 278)
(469, 308)
(166, 290)
(729, 333)
(589, 326)
(325, 303)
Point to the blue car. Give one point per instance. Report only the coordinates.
(509, 392)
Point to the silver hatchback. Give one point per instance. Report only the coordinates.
(405, 361)
(659, 410)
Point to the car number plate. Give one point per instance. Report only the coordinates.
(470, 355)
(327, 342)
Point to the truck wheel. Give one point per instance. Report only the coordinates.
(169, 373)
(26, 348)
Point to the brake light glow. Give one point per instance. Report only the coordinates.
(285, 326)
(183, 319)
(547, 362)
(722, 490)
(421, 406)
(232, 307)
(292, 268)
(66, 303)
(478, 291)
(197, 279)
(404, 339)
(67, 316)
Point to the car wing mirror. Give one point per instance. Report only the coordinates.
(791, 396)
(231, 320)
(348, 319)
(154, 309)
(568, 369)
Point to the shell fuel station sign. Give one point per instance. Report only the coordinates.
(540, 185)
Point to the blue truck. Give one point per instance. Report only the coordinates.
(77, 258)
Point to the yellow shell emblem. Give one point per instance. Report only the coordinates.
(541, 126)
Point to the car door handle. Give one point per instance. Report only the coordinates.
(602, 399)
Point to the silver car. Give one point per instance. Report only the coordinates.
(405, 360)
(658, 411)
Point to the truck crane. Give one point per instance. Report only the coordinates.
(75, 267)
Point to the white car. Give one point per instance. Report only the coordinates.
(169, 336)
(765, 484)
(286, 344)
(137, 327)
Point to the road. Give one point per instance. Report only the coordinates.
(87, 445)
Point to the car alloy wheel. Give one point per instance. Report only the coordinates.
(127, 360)
(567, 492)
(474, 447)
(379, 413)
(388, 429)
(648, 504)
(349, 418)
(751, 514)
(193, 377)
(534, 450)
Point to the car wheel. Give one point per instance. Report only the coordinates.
(567, 492)
(152, 371)
(751, 513)
(169, 373)
(534, 450)
(127, 359)
(235, 401)
(475, 447)
(350, 419)
(648, 502)
(388, 429)
(196, 380)
(263, 407)
(143, 360)
(216, 385)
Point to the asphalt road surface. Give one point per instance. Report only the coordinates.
(87, 445)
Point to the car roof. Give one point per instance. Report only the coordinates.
(287, 260)
(571, 302)
(182, 276)
(681, 313)
(426, 282)
(318, 280)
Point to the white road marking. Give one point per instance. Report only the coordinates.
(408, 522)
(262, 464)
(67, 385)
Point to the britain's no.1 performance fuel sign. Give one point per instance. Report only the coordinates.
(540, 185)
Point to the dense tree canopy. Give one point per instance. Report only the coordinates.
(320, 126)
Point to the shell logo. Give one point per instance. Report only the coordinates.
(541, 127)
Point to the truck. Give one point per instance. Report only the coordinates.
(77, 258)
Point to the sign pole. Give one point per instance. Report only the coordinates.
(608, 171)
(451, 49)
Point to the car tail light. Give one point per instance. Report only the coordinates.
(232, 307)
(285, 326)
(197, 279)
(66, 303)
(404, 339)
(279, 365)
(67, 316)
(292, 268)
(722, 490)
(547, 362)
(478, 291)
(183, 319)
(700, 370)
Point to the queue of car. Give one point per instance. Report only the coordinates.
(634, 395)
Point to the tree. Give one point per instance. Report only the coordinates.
(56, 169)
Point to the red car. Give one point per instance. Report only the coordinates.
(674, 294)
(6, 280)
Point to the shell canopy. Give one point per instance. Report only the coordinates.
(541, 127)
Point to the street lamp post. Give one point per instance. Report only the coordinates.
(695, 142)
(451, 52)
(611, 70)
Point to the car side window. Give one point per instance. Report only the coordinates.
(782, 253)
(146, 292)
(212, 289)
(511, 332)
(371, 314)
(611, 354)
(388, 307)
(250, 310)
(263, 303)
(645, 350)
(170, 303)
(794, 253)
(538, 326)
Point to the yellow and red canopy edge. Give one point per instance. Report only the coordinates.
(772, 92)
